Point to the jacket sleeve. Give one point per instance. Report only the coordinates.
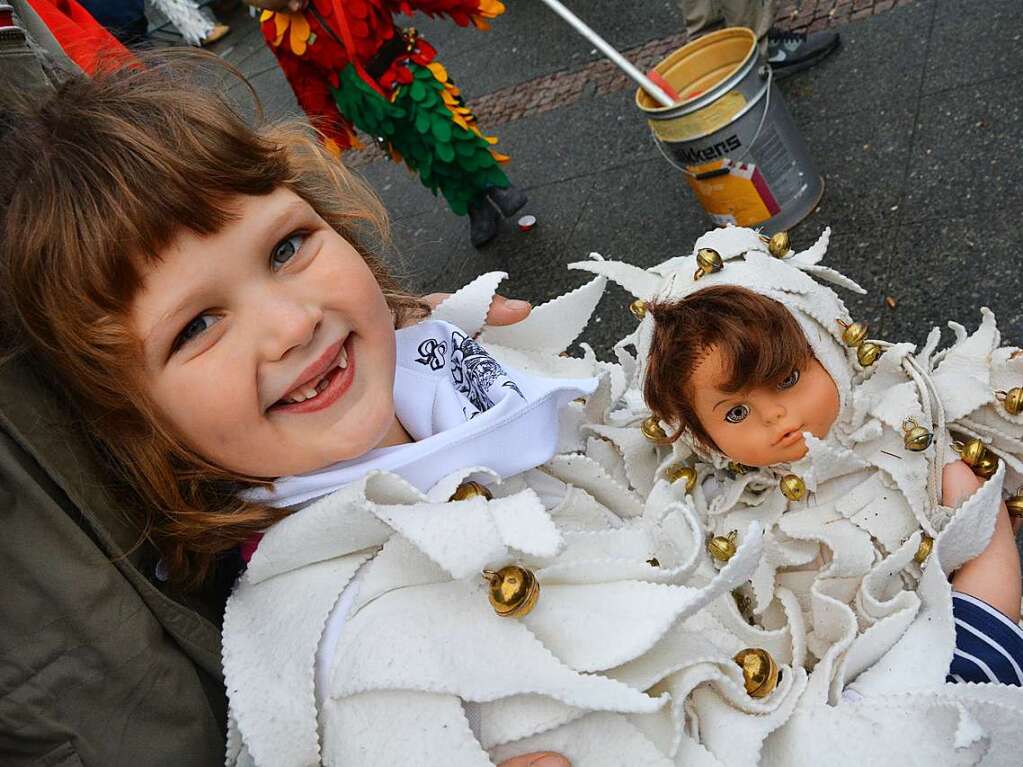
(90, 675)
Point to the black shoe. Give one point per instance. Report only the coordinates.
(483, 221)
(791, 52)
(508, 200)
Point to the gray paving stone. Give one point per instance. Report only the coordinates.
(974, 41)
(436, 244)
(946, 269)
(966, 156)
(880, 64)
(591, 135)
(863, 157)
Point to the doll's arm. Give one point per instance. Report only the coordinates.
(994, 575)
(462, 12)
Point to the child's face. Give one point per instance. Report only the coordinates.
(764, 425)
(241, 326)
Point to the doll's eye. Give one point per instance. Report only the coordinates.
(286, 249)
(791, 381)
(737, 414)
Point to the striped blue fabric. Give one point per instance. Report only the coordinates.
(989, 646)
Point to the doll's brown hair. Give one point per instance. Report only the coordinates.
(99, 178)
(759, 338)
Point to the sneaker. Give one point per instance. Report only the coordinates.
(484, 221)
(791, 52)
(217, 33)
(509, 200)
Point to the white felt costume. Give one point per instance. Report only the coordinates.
(626, 658)
(419, 669)
(837, 591)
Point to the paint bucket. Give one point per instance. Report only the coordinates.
(731, 135)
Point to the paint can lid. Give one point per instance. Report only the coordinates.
(526, 223)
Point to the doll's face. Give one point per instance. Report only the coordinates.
(764, 425)
(269, 346)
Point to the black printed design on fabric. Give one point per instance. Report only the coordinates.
(474, 373)
(431, 352)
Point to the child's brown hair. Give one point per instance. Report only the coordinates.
(759, 338)
(99, 179)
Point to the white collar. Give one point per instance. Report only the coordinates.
(462, 408)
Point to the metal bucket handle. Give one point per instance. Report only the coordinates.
(745, 153)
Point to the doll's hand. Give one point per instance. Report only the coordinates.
(294, 6)
(503, 311)
(545, 759)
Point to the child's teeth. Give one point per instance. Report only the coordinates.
(343, 362)
(309, 392)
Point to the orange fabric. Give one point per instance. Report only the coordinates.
(83, 39)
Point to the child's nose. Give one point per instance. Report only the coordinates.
(287, 325)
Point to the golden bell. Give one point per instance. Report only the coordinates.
(924, 551)
(854, 334)
(972, 451)
(736, 468)
(722, 547)
(707, 261)
(915, 437)
(1012, 400)
(1014, 504)
(759, 671)
(867, 353)
(469, 490)
(513, 591)
(778, 245)
(652, 430)
(792, 487)
(681, 473)
(986, 466)
(638, 308)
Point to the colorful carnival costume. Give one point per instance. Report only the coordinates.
(351, 67)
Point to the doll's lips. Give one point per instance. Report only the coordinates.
(790, 437)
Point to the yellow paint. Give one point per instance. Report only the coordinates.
(707, 120)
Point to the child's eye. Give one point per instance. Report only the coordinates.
(195, 327)
(791, 381)
(286, 249)
(737, 414)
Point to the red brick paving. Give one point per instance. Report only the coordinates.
(560, 89)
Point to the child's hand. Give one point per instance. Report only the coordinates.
(545, 759)
(503, 311)
(958, 482)
(994, 575)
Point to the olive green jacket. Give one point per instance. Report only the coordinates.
(98, 666)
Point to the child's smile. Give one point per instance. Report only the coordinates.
(269, 345)
(334, 371)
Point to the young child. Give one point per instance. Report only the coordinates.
(454, 561)
(853, 454)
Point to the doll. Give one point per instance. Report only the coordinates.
(778, 408)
